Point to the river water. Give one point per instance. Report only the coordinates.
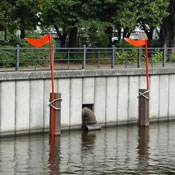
(122, 150)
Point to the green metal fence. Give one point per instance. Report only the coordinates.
(21, 59)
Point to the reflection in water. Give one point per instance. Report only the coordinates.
(143, 148)
(88, 139)
(54, 156)
(121, 150)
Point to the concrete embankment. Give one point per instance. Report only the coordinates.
(112, 94)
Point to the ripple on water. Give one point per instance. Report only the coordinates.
(122, 150)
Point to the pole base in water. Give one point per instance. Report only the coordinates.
(143, 107)
(57, 113)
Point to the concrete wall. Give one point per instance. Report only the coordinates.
(24, 97)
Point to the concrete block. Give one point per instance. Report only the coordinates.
(36, 104)
(171, 95)
(76, 102)
(133, 98)
(7, 106)
(154, 97)
(64, 89)
(163, 108)
(100, 99)
(111, 100)
(123, 99)
(22, 105)
(88, 91)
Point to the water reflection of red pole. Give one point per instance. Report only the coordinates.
(52, 155)
(143, 148)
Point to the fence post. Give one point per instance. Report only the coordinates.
(68, 64)
(164, 55)
(35, 63)
(113, 56)
(17, 57)
(139, 57)
(53, 55)
(84, 57)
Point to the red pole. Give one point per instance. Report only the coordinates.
(147, 73)
(52, 77)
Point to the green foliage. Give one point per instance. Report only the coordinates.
(171, 57)
(7, 57)
(123, 55)
(97, 20)
(151, 14)
(157, 56)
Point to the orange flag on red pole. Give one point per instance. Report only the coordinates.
(136, 43)
(39, 43)
(141, 43)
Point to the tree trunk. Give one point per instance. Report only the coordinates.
(73, 37)
(63, 40)
(149, 34)
(5, 34)
(126, 33)
(164, 34)
(109, 34)
(61, 36)
(119, 34)
(22, 28)
(167, 32)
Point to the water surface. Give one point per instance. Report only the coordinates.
(122, 150)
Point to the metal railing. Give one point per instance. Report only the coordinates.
(21, 59)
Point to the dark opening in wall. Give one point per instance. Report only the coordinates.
(91, 107)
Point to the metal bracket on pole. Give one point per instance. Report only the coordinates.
(51, 105)
(143, 94)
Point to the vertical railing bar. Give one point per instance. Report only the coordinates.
(17, 58)
(68, 65)
(34, 59)
(84, 57)
(164, 56)
(98, 59)
(113, 56)
(53, 56)
(126, 61)
(139, 58)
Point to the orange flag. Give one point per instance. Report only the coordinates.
(136, 43)
(39, 42)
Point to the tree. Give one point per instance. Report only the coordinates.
(25, 12)
(126, 17)
(63, 15)
(150, 15)
(109, 16)
(167, 30)
(5, 17)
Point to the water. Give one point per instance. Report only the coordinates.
(122, 150)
